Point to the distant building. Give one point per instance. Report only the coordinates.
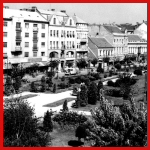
(118, 40)
(136, 45)
(141, 30)
(127, 28)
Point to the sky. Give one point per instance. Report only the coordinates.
(95, 12)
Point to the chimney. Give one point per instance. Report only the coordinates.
(34, 8)
(63, 11)
(52, 9)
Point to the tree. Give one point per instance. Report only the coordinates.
(54, 64)
(94, 61)
(65, 107)
(43, 84)
(21, 126)
(99, 69)
(9, 89)
(54, 88)
(106, 59)
(92, 93)
(47, 122)
(17, 83)
(33, 87)
(114, 126)
(82, 63)
(69, 64)
(83, 95)
(118, 66)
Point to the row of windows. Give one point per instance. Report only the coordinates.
(82, 36)
(55, 33)
(119, 40)
(5, 34)
(18, 25)
(26, 54)
(26, 44)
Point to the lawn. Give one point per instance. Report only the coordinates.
(58, 103)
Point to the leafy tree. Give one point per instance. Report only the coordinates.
(17, 83)
(114, 126)
(9, 89)
(82, 63)
(69, 64)
(99, 69)
(54, 64)
(83, 95)
(106, 59)
(47, 122)
(92, 93)
(94, 61)
(21, 126)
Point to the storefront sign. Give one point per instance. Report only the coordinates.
(33, 60)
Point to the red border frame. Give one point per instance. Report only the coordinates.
(1, 60)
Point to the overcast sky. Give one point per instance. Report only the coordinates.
(96, 12)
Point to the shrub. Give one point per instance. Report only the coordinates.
(105, 75)
(71, 80)
(78, 80)
(49, 81)
(110, 83)
(9, 89)
(63, 78)
(96, 76)
(80, 132)
(92, 93)
(113, 92)
(118, 66)
(17, 83)
(91, 78)
(65, 107)
(24, 130)
(47, 122)
(110, 73)
(117, 83)
(100, 70)
(138, 71)
(62, 85)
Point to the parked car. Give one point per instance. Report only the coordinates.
(70, 71)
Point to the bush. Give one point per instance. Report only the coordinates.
(100, 70)
(118, 66)
(17, 83)
(105, 75)
(110, 73)
(117, 83)
(138, 71)
(62, 85)
(54, 88)
(110, 83)
(65, 107)
(71, 80)
(21, 125)
(96, 76)
(91, 78)
(63, 78)
(78, 80)
(113, 93)
(92, 93)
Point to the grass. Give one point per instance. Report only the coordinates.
(24, 97)
(58, 103)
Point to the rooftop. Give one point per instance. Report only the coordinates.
(78, 20)
(133, 37)
(112, 29)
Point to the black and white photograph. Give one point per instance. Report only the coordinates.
(75, 74)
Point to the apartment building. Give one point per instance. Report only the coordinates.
(118, 40)
(82, 38)
(25, 37)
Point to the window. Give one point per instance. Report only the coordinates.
(50, 44)
(26, 44)
(43, 26)
(57, 33)
(26, 54)
(34, 25)
(5, 44)
(43, 44)
(70, 22)
(18, 34)
(43, 35)
(42, 53)
(34, 34)
(5, 24)
(50, 32)
(27, 25)
(18, 25)
(18, 43)
(57, 44)
(34, 54)
(5, 34)
(54, 33)
(26, 34)
(54, 21)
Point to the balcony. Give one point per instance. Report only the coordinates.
(18, 48)
(19, 29)
(35, 29)
(35, 38)
(35, 48)
(18, 38)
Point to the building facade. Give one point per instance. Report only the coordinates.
(115, 37)
(25, 37)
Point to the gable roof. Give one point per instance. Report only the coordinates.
(26, 15)
(112, 29)
(128, 27)
(101, 42)
(133, 37)
(78, 20)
